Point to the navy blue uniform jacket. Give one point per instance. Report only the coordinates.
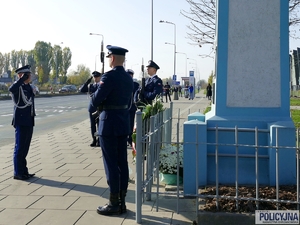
(114, 89)
(91, 88)
(153, 87)
(22, 117)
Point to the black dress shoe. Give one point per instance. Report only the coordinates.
(108, 210)
(94, 142)
(30, 175)
(23, 177)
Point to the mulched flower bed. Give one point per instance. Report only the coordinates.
(246, 206)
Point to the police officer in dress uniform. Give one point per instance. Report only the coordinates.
(153, 85)
(23, 121)
(114, 94)
(132, 107)
(94, 119)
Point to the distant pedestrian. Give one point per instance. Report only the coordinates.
(23, 121)
(180, 90)
(132, 107)
(191, 92)
(209, 91)
(89, 88)
(167, 88)
(114, 94)
(186, 91)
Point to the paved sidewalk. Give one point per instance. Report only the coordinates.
(70, 181)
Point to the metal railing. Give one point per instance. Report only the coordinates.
(257, 199)
(151, 134)
(155, 132)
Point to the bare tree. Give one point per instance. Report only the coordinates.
(202, 16)
(294, 9)
(31, 61)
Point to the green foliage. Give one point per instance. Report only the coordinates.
(79, 76)
(295, 101)
(42, 56)
(169, 80)
(210, 78)
(63, 79)
(66, 60)
(42, 60)
(56, 61)
(150, 110)
(6, 61)
(14, 60)
(133, 137)
(22, 57)
(207, 110)
(295, 115)
(31, 61)
(2, 63)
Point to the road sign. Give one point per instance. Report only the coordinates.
(174, 77)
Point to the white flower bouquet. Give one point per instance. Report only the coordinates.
(168, 159)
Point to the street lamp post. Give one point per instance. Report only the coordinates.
(101, 52)
(185, 62)
(151, 29)
(174, 42)
(167, 43)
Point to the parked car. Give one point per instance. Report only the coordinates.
(35, 89)
(68, 89)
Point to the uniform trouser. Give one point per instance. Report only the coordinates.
(23, 135)
(191, 95)
(168, 94)
(94, 123)
(131, 118)
(114, 150)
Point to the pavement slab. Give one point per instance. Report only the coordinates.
(60, 190)
(91, 217)
(18, 216)
(54, 202)
(18, 202)
(70, 181)
(57, 217)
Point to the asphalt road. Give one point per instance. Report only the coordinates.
(52, 113)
